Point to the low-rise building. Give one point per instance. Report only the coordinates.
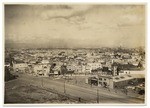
(114, 81)
(56, 70)
(92, 66)
(41, 69)
(123, 72)
(19, 65)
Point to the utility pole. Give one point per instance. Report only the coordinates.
(65, 85)
(42, 81)
(76, 79)
(97, 88)
(97, 95)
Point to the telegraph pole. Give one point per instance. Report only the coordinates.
(97, 95)
(42, 81)
(76, 79)
(65, 85)
(97, 88)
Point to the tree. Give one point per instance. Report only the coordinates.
(52, 67)
(8, 75)
(140, 65)
(63, 69)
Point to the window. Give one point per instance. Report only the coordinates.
(100, 83)
(100, 78)
(45, 67)
(117, 78)
(104, 79)
(122, 77)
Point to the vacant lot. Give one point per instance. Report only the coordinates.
(29, 89)
(19, 92)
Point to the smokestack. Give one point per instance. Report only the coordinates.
(114, 70)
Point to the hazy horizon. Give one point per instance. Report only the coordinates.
(74, 26)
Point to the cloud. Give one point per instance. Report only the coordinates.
(46, 15)
(73, 11)
(74, 24)
(131, 20)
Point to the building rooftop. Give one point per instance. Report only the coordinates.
(122, 78)
(118, 78)
(19, 61)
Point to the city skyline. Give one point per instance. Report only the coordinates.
(74, 26)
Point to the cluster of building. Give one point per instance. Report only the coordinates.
(107, 63)
(80, 61)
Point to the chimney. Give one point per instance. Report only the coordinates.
(114, 70)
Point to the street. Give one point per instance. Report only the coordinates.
(88, 94)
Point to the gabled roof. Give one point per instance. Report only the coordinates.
(19, 61)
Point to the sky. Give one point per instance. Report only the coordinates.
(74, 25)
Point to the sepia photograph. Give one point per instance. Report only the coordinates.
(73, 54)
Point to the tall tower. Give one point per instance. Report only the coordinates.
(115, 70)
